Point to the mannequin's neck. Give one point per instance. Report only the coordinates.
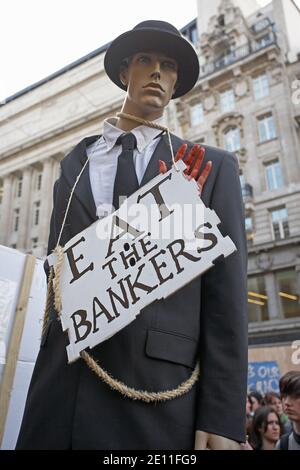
(128, 124)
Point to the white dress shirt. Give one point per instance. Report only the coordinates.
(104, 155)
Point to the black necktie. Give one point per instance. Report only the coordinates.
(126, 182)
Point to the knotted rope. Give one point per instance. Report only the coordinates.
(54, 296)
(154, 126)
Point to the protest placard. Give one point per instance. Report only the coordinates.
(160, 239)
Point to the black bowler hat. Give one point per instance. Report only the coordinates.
(154, 36)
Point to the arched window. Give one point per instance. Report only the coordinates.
(232, 139)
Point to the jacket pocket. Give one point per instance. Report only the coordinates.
(171, 347)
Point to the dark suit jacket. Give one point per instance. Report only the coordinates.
(69, 407)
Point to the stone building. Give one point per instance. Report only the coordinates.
(246, 100)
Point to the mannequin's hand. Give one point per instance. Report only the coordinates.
(205, 441)
(193, 162)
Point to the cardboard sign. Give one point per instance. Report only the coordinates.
(159, 240)
(22, 301)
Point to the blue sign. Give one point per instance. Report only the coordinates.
(263, 377)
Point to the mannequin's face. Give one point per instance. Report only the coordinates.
(151, 79)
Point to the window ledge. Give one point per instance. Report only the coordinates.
(266, 141)
(275, 325)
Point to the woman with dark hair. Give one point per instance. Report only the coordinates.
(273, 400)
(266, 429)
(257, 400)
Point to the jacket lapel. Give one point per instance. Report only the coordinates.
(71, 168)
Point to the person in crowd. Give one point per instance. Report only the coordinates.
(257, 400)
(249, 414)
(266, 428)
(289, 386)
(273, 400)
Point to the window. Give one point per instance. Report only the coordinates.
(261, 24)
(264, 41)
(36, 213)
(280, 223)
(34, 242)
(197, 115)
(16, 220)
(249, 228)
(249, 224)
(191, 33)
(221, 20)
(257, 299)
(261, 87)
(232, 139)
(266, 128)
(288, 293)
(194, 35)
(19, 186)
(227, 101)
(39, 177)
(247, 192)
(274, 176)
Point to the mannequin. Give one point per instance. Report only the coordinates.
(205, 320)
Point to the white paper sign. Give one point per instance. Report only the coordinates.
(8, 290)
(159, 240)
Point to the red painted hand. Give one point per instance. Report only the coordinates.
(193, 162)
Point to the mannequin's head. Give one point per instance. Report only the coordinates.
(153, 52)
(151, 80)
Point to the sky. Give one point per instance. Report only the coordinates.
(39, 37)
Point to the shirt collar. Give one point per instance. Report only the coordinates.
(144, 134)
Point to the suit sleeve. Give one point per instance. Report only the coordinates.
(223, 345)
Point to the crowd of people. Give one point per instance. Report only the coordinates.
(273, 420)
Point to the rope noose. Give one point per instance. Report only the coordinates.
(54, 295)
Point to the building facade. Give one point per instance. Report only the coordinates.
(246, 101)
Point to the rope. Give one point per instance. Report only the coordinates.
(128, 392)
(49, 300)
(58, 268)
(147, 397)
(71, 195)
(53, 293)
(154, 126)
